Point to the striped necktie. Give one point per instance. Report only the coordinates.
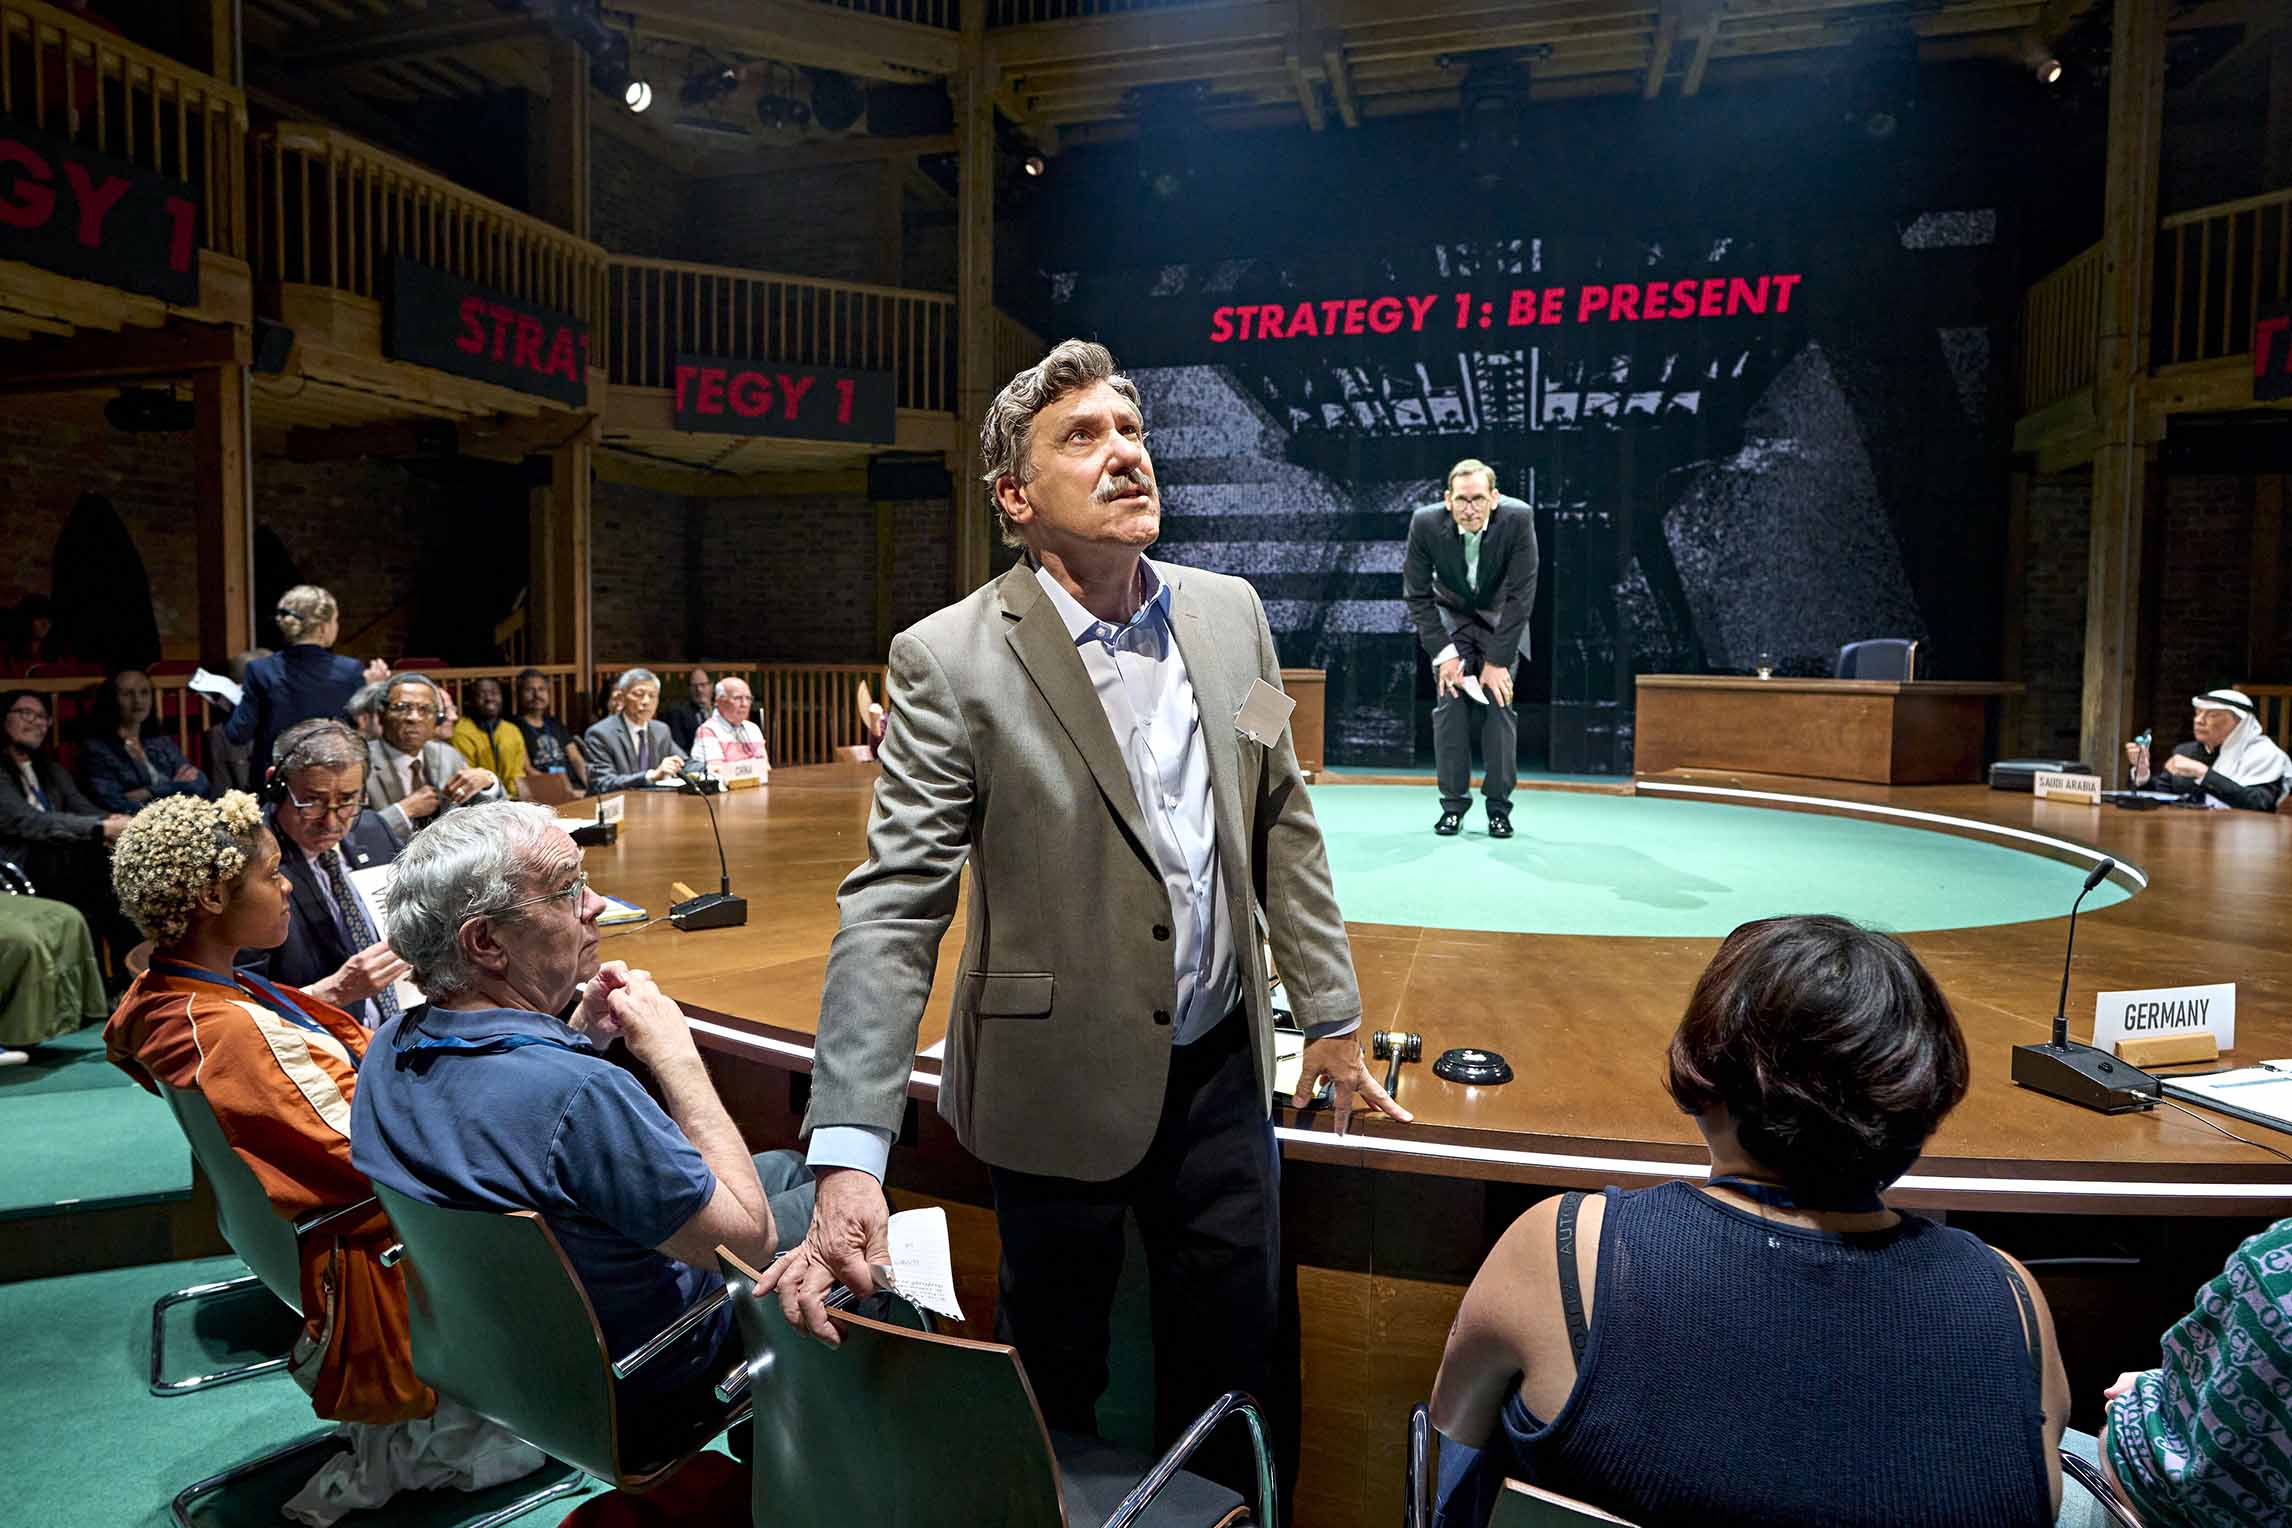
(354, 924)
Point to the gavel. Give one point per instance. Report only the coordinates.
(1394, 1046)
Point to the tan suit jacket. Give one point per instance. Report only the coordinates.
(999, 756)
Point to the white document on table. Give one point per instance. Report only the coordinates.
(922, 1267)
(373, 883)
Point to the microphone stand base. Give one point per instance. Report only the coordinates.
(2086, 1076)
(717, 909)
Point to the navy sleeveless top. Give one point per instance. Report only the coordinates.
(1737, 1370)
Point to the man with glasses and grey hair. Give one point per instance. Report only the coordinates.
(1073, 732)
(315, 801)
(412, 775)
(497, 1095)
(630, 749)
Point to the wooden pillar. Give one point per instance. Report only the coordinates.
(2121, 463)
(557, 601)
(222, 42)
(225, 524)
(2264, 628)
(2276, 146)
(564, 196)
(975, 383)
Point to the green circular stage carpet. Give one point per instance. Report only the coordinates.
(1646, 866)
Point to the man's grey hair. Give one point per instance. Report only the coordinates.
(366, 700)
(634, 676)
(473, 862)
(319, 743)
(437, 696)
(1007, 438)
(730, 679)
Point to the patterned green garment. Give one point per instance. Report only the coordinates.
(2206, 1437)
(50, 983)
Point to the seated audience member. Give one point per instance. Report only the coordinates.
(279, 1068)
(549, 748)
(31, 627)
(728, 735)
(362, 712)
(128, 760)
(629, 749)
(50, 983)
(230, 766)
(684, 718)
(411, 775)
(489, 740)
(304, 679)
(2204, 1440)
(483, 1098)
(55, 835)
(335, 950)
(1694, 1353)
(449, 716)
(2232, 763)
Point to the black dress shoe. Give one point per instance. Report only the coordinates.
(1499, 824)
(1450, 824)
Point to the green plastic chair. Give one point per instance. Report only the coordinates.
(1525, 1506)
(907, 1427)
(271, 1246)
(501, 1324)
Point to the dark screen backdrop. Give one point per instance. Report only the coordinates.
(1827, 466)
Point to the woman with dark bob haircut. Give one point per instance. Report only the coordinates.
(1774, 1345)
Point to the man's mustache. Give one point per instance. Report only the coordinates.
(1111, 488)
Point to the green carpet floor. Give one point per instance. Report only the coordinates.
(93, 1448)
(1640, 866)
(74, 1129)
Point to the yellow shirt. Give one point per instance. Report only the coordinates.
(503, 752)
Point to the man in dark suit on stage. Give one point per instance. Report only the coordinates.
(1470, 582)
(334, 948)
(1070, 731)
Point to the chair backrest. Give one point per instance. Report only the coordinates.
(501, 1325)
(855, 753)
(263, 1238)
(2272, 703)
(1879, 658)
(894, 1426)
(549, 790)
(1520, 1505)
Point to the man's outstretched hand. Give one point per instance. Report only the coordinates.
(849, 1239)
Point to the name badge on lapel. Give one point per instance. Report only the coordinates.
(1264, 713)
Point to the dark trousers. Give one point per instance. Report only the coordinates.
(1208, 1201)
(1452, 752)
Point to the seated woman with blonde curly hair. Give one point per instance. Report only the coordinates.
(279, 1068)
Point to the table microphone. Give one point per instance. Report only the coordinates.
(2083, 1074)
(719, 908)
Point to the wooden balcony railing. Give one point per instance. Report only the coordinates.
(1016, 13)
(923, 13)
(334, 212)
(2060, 331)
(658, 309)
(2216, 266)
(68, 78)
(1016, 348)
(806, 711)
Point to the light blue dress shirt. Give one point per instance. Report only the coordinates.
(1142, 685)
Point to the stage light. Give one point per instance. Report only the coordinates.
(710, 82)
(2049, 72)
(1169, 129)
(1492, 101)
(837, 101)
(778, 107)
(638, 96)
(1036, 165)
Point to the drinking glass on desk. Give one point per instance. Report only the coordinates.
(1764, 665)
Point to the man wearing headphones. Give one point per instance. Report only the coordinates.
(314, 800)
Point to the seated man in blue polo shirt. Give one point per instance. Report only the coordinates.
(482, 1098)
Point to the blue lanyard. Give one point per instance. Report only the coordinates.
(259, 988)
(416, 1049)
(1776, 1197)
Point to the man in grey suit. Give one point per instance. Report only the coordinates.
(629, 749)
(410, 775)
(1470, 583)
(1069, 731)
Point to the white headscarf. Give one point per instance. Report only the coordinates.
(2248, 756)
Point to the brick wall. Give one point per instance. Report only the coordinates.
(819, 222)
(922, 553)
(635, 201)
(358, 530)
(638, 583)
(790, 580)
(2051, 617)
(2204, 598)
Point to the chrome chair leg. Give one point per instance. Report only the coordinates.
(195, 1294)
(192, 1494)
(574, 1480)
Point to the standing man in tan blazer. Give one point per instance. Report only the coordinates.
(1069, 732)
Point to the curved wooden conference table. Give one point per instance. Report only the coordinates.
(1387, 1224)
(1584, 1019)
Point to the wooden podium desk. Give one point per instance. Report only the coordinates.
(1878, 731)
